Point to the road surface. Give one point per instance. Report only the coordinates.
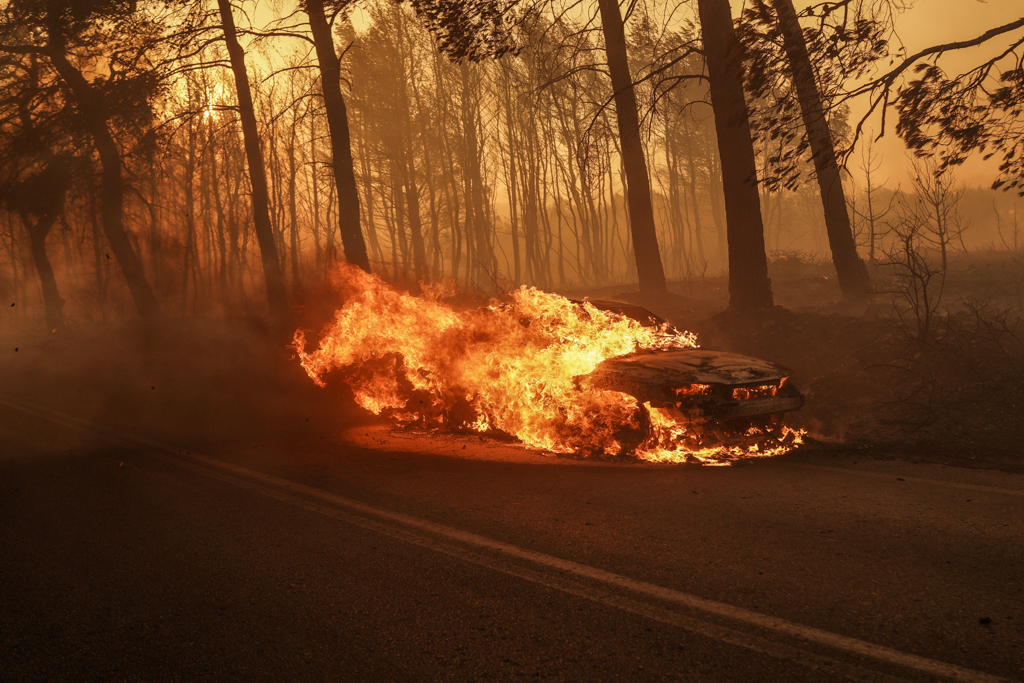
(136, 553)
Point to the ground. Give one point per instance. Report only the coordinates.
(870, 386)
(180, 502)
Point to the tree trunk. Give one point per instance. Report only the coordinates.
(37, 232)
(276, 296)
(293, 209)
(649, 267)
(94, 117)
(749, 286)
(341, 146)
(850, 269)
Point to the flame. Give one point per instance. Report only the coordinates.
(762, 391)
(510, 367)
(693, 390)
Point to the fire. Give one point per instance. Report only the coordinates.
(511, 367)
(763, 391)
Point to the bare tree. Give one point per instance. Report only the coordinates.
(936, 207)
(872, 215)
(919, 286)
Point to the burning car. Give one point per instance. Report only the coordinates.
(589, 378)
(712, 398)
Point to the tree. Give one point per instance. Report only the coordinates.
(850, 269)
(42, 196)
(91, 32)
(749, 286)
(947, 117)
(337, 123)
(276, 296)
(649, 266)
(979, 110)
(936, 207)
(870, 164)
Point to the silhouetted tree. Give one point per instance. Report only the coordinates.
(337, 123)
(850, 269)
(749, 286)
(649, 267)
(89, 32)
(41, 197)
(276, 295)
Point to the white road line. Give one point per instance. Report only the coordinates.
(566, 584)
(279, 488)
(985, 488)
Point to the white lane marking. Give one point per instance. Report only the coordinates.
(985, 488)
(847, 644)
(560, 582)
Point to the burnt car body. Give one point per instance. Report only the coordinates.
(719, 398)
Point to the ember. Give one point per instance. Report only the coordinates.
(512, 367)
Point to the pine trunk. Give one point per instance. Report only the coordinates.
(749, 286)
(52, 301)
(341, 146)
(850, 269)
(276, 295)
(649, 267)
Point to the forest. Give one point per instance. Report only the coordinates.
(486, 340)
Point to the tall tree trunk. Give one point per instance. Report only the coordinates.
(293, 209)
(191, 252)
(649, 267)
(218, 203)
(749, 286)
(341, 146)
(52, 301)
(94, 117)
(850, 269)
(153, 207)
(276, 296)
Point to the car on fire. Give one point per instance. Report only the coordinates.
(716, 398)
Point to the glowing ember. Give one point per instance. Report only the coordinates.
(511, 367)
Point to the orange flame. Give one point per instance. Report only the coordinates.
(511, 367)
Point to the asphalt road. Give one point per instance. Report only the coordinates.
(369, 555)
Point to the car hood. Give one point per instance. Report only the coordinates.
(647, 374)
